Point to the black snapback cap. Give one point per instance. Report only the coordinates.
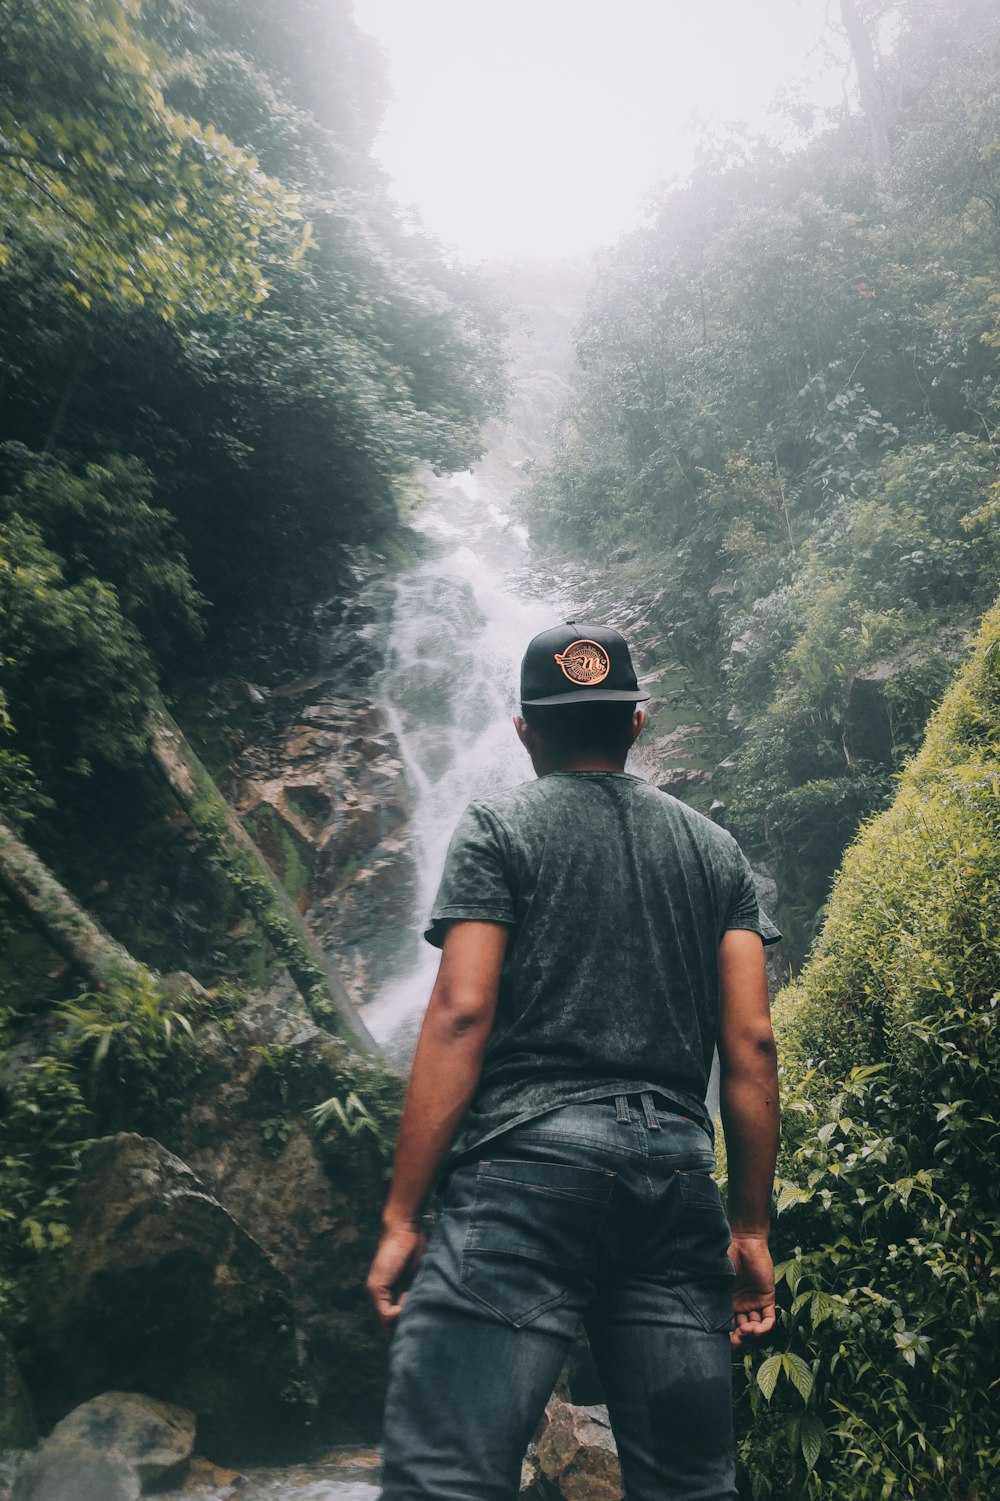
(579, 663)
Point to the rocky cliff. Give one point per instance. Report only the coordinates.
(221, 1151)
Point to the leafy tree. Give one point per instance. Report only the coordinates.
(276, 438)
(123, 197)
(76, 669)
(151, 428)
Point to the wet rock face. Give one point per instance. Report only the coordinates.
(165, 1293)
(321, 788)
(325, 799)
(315, 771)
(575, 1455)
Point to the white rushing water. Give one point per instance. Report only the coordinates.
(461, 621)
(319, 1482)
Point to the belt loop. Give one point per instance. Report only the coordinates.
(646, 1100)
(621, 1103)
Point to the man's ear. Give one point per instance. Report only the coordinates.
(638, 720)
(526, 734)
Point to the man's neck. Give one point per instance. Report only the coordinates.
(545, 765)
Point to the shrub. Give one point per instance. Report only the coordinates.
(121, 1061)
(888, 1210)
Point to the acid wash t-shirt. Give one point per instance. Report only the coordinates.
(617, 897)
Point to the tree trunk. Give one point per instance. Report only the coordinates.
(237, 856)
(869, 84)
(59, 917)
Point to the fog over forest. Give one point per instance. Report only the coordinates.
(345, 346)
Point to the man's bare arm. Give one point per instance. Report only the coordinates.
(446, 1069)
(748, 1090)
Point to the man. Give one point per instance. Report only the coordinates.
(600, 939)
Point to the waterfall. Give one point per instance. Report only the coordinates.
(461, 620)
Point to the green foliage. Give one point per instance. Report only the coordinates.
(130, 1037)
(339, 1120)
(92, 582)
(41, 1134)
(76, 669)
(196, 383)
(888, 1227)
(852, 656)
(122, 1059)
(135, 1047)
(786, 406)
(102, 522)
(360, 1123)
(354, 1125)
(122, 197)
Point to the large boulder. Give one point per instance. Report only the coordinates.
(163, 1292)
(575, 1453)
(111, 1449)
(157, 1438)
(313, 1198)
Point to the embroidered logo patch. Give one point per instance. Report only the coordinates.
(584, 663)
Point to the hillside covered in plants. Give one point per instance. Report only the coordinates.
(782, 436)
(888, 1223)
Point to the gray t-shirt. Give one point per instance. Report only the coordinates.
(617, 897)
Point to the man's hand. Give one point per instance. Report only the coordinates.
(753, 1290)
(393, 1269)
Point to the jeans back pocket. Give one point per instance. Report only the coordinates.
(533, 1234)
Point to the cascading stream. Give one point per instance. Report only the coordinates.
(461, 621)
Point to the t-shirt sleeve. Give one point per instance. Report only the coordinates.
(475, 886)
(745, 910)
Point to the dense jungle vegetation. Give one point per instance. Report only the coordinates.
(784, 427)
(224, 351)
(223, 347)
(884, 1380)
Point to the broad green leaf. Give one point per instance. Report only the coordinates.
(811, 1432)
(799, 1374)
(767, 1375)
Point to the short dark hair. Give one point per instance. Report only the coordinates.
(566, 729)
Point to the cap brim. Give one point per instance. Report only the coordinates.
(589, 696)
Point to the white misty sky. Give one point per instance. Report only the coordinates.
(533, 128)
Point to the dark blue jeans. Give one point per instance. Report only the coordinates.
(602, 1213)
